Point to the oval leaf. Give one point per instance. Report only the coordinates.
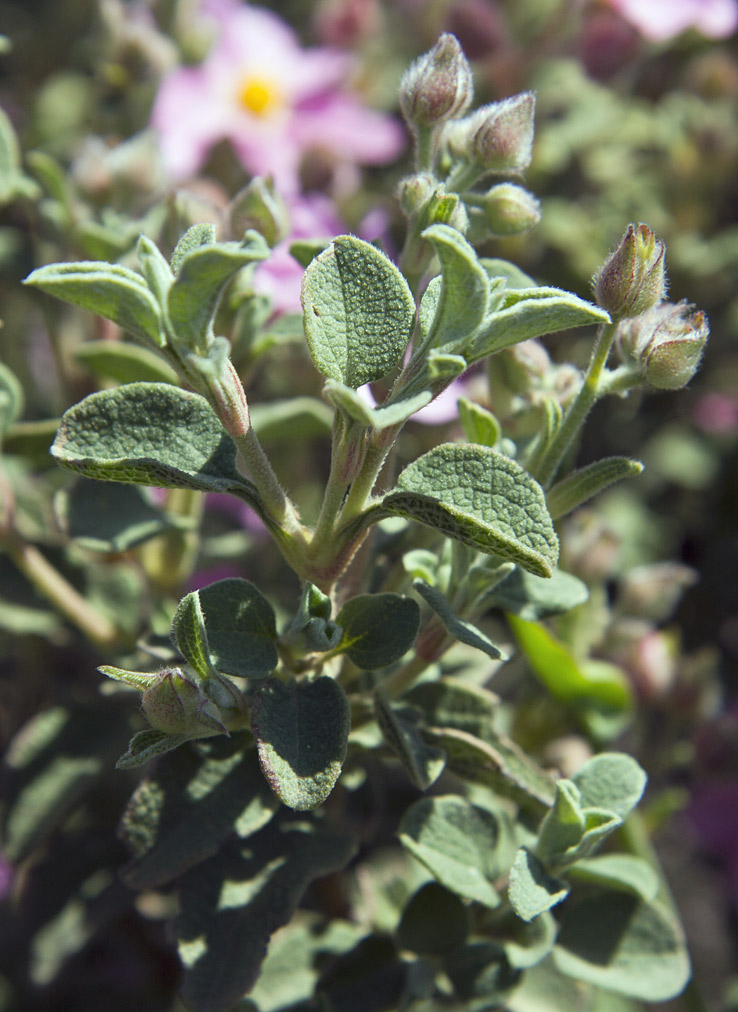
(377, 629)
(241, 628)
(359, 312)
(462, 299)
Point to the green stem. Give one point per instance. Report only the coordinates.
(366, 479)
(425, 148)
(589, 392)
(346, 450)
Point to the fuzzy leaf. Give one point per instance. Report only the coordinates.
(433, 922)
(11, 399)
(513, 275)
(531, 312)
(612, 781)
(359, 312)
(301, 730)
(232, 904)
(202, 275)
(377, 629)
(458, 843)
(532, 890)
(189, 636)
(110, 290)
(616, 941)
(200, 234)
(480, 425)
(151, 434)
(399, 726)
(585, 483)
(461, 630)
(618, 871)
(453, 704)
(462, 300)
(533, 598)
(146, 745)
(124, 362)
(378, 418)
(564, 825)
(481, 498)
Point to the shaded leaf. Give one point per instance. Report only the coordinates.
(301, 731)
(124, 362)
(454, 704)
(433, 922)
(617, 871)
(532, 890)
(11, 398)
(461, 630)
(147, 745)
(532, 598)
(481, 970)
(377, 628)
(399, 725)
(480, 425)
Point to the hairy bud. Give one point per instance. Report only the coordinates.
(667, 343)
(176, 704)
(632, 280)
(510, 209)
(259, 206)
(497, 137)
(438, 86)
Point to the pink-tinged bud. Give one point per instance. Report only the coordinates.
(498, 137)
(510, 209)
(176, 704)
(438, 86)
(667, 343)
(415, 191)
(632, 280)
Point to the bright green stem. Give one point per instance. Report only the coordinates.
(589, 393)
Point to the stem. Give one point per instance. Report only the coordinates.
(346, 451)
(366, 479)
(49, 582)
(425, 147)
(589, 392)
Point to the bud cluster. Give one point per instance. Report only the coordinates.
(666, 342)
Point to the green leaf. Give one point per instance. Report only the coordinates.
(147, 745)
(481, 498)
(351, 404)
(201, 234)
(480, 970)
(110, 290)
(480, 425)
(104, 517)
(10, 165)
(155, 269)
(433, 922)
(202, 274)
(532, 890)
(612, 781)
(228, 626)
(181, 812)
(564, 825)
(306, 250)
(461, 630)
(359, 312)
(11, 399)
(527, 943)
(616, 941)
(399, 725)
(294, 418)
(585, 483)
(125, 363)
(532, 598)
(301, 730)
(531, 312)
(151, 434)
(232, 904)
(514, 277)
(462, 300)
(617, 871)
(377, 629)
(453, 704)
(458, 843)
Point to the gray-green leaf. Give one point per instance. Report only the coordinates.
(399, 725)
(462, 300)
(240, 627)
(377, 628)
(146, 745)
(532, 890)
(461, 630)
(585, 483)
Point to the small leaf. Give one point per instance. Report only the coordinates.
(532, 890)
(377, 629)
(359, 312)
(301, 730)
(461, 630)
(399, 725)
(200, 234)
(433, 922)
(532, 598)
(616, 941)
(124, 362)
(189, 636)
(612, 781)
(531, 312)
(202, 275)
(155, 270)
(585, 483)
(146, 745)
(480, 425)
(378, 418)
(481, 498)
(564, 825)
(462, 300)
(458, 843)
(618, 871)
(514, 277)
(294, 418)
(241, 628)
(151, 434)
(110, 290)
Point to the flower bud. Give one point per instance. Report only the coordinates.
(632, 279)
(497, 137)
(667, 343)
(415, 191)
(176, 704)
(437, 86)
(259, 206)
(510, 209)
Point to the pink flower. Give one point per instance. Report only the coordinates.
(270, 98)
(660, 20)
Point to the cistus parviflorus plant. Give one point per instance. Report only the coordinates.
(343, 773)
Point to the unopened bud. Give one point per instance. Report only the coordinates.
(438, 86)
(632, 280)
(667, 343)
(176, 704)
(415, 191)
(510, 209)
(497, 137)
(259, 206)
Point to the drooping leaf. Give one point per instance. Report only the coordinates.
(462, 299)
(585, 483)
(481, 498)
(232, 904)
(110, 290)
(533, 598)
(202, 274)
(301, 731)
(183, 810)
(616, 941)
(433, 922)
(458, 843)
(359, 312)
(532, 890)
(151, 434)
(463, 631)
(377, 628)
(147, 745)
(399, 725)
(125, 362)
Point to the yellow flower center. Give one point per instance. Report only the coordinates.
(259, 96)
